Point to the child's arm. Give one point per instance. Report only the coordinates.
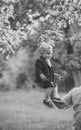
(38, 67)
(39, 70)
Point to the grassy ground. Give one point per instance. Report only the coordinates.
(23, 110)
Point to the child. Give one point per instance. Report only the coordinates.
(73, 98)
(45, 74)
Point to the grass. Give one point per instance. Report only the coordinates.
(24, 110)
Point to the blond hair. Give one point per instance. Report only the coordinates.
(45, 47)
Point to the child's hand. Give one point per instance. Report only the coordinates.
(43, 77)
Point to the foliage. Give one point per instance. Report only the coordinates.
(9, 38)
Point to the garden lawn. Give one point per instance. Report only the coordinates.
(24, 110)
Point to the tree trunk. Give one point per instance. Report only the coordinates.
(77, 78)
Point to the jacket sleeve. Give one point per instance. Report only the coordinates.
(68, 98)
(38, 67)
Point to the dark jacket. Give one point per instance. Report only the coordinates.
(41, 67)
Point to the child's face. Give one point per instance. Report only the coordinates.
(47, 54)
